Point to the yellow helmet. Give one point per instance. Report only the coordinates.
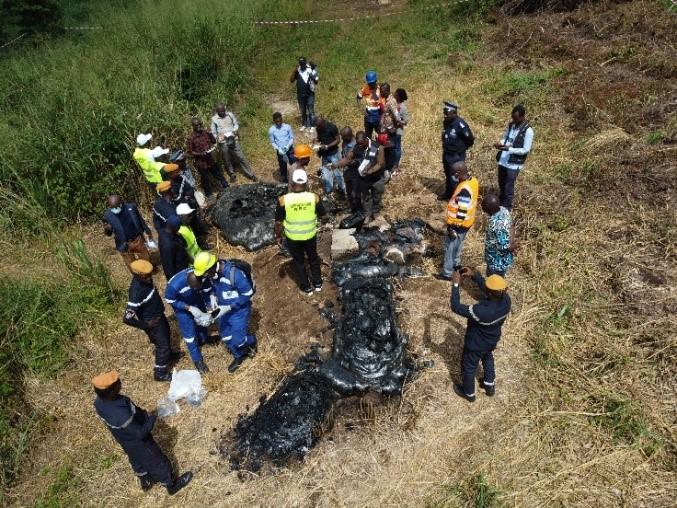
(203, 262)
(302, 151)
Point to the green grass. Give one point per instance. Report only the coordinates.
(475, 492)
(60, 493)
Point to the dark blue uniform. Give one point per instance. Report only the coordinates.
(485, 319)
(173, 254)
(144, 306)
(456, 139)
(162, 211)
(131, 427)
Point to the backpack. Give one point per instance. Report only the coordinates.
(245, 268)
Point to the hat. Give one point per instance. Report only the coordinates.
(158, 151)
(450, 106)
(299, 176)
(184, 209)
(371, 77)
(203, 262)
(106, 380)
(142, 139)
(174, 221)
(170, 168)
(495, 283)
(163, 186)
(141, 267)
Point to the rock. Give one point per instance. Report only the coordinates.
(343, 244)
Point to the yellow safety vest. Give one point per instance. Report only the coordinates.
(461, 210)
(192, 247)
(151, 169)
(300, 218)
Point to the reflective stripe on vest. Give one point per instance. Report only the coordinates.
(192, 247)
(463, 218)
(300, 221)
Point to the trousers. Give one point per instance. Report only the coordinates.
(233, 155)
(299, 250)
(371, 126)
(450, 181)
(452, 253)
(213, 171)
(469, 361)
(283, 161)
(160, 337)
(506, 185)
(234, 331)
(397, 148)
(307, 109)
(193, 335)
(353, 183)
(146, 458)
(372, 195)
(136, 249)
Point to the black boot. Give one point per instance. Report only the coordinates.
(235, 364)
(179, 483)
(146, 482)
(252, 350)
(175, 356)
(162, 376)
(490, 390)
(458, 389)
(201, 367)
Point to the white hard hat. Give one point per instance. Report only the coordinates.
(158, 151)
(299, 176)
(184, 209)
(142, 139)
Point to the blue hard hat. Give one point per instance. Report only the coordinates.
(370, 77)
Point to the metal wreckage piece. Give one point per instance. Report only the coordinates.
(368, 354)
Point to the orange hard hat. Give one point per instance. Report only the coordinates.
(302, 151)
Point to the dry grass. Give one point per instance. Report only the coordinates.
(593, 326)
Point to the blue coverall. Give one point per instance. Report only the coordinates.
(180, 296)
(131, 427)
(234, 289)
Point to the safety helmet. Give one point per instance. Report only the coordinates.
(203, 262)
(302, 151)
(370, 77)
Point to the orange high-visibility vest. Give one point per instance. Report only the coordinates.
(461, 209)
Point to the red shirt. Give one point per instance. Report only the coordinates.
(199, 142)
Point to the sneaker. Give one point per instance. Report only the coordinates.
(458, 389)
(202, 367)
(179, 483)
(146, 482)
(490, 390)
(306, 291)
(235, 364)
(162, 376)
(318, 287)
(441, 276)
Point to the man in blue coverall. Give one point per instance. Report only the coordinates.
(131, 427)
(483, 332)
(192, 300)
(234, 291)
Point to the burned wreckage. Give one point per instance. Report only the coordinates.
(369, 353)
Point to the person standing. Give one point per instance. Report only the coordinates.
(461, 211)
(456, 139)
(192, 301)
(173, 254)
(146, 312)
(305, 76)
(370, 96)
(124, 222)
(483, 331)
(234, 291)
(132, 428)
(296, 221)
(153, 170)
(200, 145)
(281, 138)
(194, 245)
(352, 156)
(401, 97)
(372, 171)
(329, 139)
(390, 117)
(499, 242)
(164, 206)
(513, 148)
(225, 130)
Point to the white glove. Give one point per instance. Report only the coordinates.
(213, 302)
(201, 318)
(151, 244)
(223, 309)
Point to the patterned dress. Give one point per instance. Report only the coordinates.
(497, 241)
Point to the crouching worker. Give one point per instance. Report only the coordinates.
(131, 427)
(483, 332)
(296, 219)
(234, 288)
(190, 300)
(146, 312)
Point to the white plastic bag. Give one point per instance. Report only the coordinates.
(166, 407)
(186, 384)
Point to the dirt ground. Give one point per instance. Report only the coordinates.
(399, 452)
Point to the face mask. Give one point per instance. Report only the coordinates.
(116, 210)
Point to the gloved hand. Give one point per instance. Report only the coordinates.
(201, 318)
(213, 301)
(222, 310)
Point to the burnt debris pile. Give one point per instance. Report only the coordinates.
(368, 354)
(246, 214)
(397, 251)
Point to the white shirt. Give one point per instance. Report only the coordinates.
(508, 138)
